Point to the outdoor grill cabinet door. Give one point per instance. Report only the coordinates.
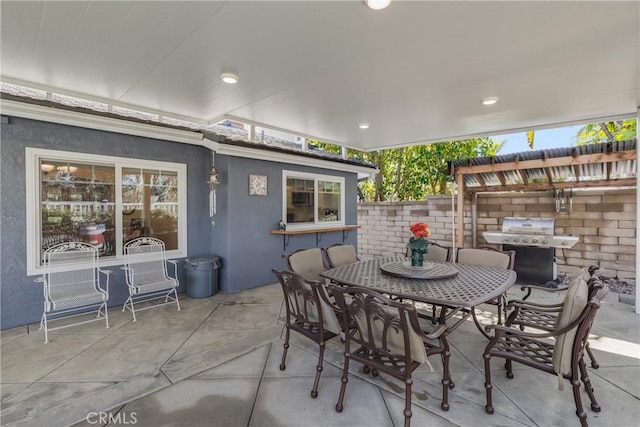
(533, 265)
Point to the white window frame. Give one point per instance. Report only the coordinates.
(33, 183)
(315, 178)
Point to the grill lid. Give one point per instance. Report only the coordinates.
(519, 225)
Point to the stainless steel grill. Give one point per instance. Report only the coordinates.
(537, 232)
(534, 243)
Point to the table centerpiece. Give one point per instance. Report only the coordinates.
(418, 243)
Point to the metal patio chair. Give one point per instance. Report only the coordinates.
(436, 252)
(388, 338)
(306, 262)
(524, 313)
(563, 357)
(146, 274)
(488, 257)
(340, 254)
(70, 291)
(308, 314)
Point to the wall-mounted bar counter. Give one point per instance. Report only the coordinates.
(286, 234)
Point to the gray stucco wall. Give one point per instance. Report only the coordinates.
(242, 229)
(21, 299)
(240, 235)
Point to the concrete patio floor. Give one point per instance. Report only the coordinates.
(216, 363)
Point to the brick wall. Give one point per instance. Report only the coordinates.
(604, 220)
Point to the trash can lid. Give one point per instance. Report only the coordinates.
(203, 260)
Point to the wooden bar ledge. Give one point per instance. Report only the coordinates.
(286, 234)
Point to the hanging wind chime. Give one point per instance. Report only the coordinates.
(214, 180)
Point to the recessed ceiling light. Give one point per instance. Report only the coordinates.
(490, 100)
(229, 78)
(377, 4)
(363, 125)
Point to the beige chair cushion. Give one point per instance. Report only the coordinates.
(484, 258)
(437, 253)
(580, 274)
(574, 303)
(342, 255)
(395, 338)
(329, 318)
(308, 264)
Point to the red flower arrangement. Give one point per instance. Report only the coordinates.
(418, 244)
(420, 229)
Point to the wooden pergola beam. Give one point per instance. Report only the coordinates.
(548, 163)
(460, 225)
(541, 186)
(547, 172)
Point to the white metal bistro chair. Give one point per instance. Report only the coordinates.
(69, 291)
(146, 273)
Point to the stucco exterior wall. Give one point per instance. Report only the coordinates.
(242, 227)
(239, 235)
(604, 220)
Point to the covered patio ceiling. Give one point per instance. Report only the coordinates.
(416, 71)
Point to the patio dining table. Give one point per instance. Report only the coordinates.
(470, 286)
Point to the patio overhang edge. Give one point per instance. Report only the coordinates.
(92, 121)
(290, 158)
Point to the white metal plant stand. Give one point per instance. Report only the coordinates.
(70, 291)
(146, 273)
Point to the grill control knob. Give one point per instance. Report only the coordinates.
(564, 243)
(545, 242)
(516, 240)
(534, 240)
(525, 240)
(506, 239)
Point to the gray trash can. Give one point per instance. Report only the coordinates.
(202, 276)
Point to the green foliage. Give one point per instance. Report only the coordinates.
(620, 130)
(411, 173)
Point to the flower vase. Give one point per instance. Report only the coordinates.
(417, 258)
(418, 246)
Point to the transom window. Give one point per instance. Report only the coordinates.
(312, 200)
(102, 200)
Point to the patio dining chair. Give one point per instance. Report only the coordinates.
(563, 357)
(306, 262)
(388, 338)
(308, 314)
(488, 257)
(146, 274)
(340, 254)
(528, 314)
(70, 291)
(436, 252)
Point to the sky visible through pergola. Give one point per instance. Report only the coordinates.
(544, 139)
